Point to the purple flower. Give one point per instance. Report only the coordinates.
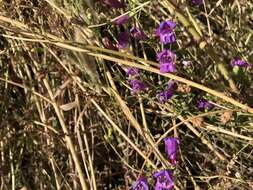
(164, 180)
(166, 33)
(167, 94)
(171, 146)
(240, 63)
(141, 184)
(123, 40)
(203, 104)
(122, 20)
(108, 44)
(167, 60)
(137, 86)
(114, 3)
(133, 72)
(138, 34)
(197, 2)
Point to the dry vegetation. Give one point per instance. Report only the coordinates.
(69, 121)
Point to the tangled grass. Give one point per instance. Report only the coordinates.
(70, 121)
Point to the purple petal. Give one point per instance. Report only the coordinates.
(167, 67)
(114, 3)
(141, 184)
(167, 38)
(166, 33)
(166, 56)
(122, 20)
(171, 147)
(123, 40)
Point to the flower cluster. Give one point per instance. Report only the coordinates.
(167, 62)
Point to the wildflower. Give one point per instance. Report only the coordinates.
(141, 184)
(168, 93)
(164, 180)
(171, 146)
(167, 61)
(122, 20)
(108, 44)
(137, 86)
(197, 2)
(114, 3)
(240, 63)
(138, 34)
(203, 104)
(123, 40)
(133, 72)
(165, 32)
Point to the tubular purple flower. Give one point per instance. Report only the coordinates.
(123, 40)
(240, 63)
(166, 33)
(137, 86)
(167, 94)
(122, 20)
(164, 180)
(141, 184)
(171, 147)
(167, 60)
(203, 104)
(133, 72)
(138, 34)
(114, 3)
